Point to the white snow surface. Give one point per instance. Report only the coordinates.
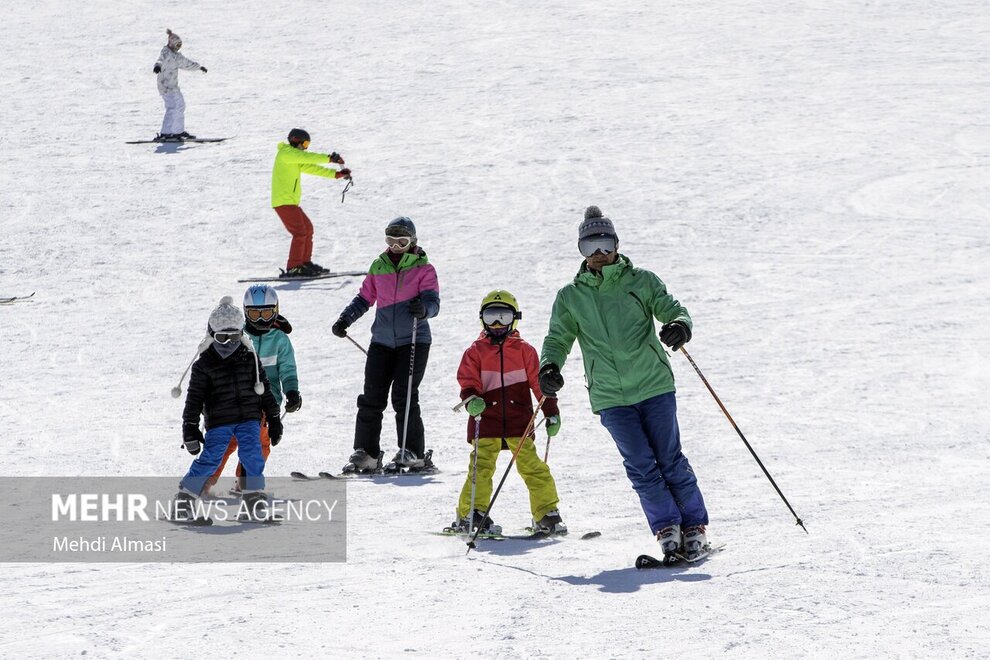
(808, 178)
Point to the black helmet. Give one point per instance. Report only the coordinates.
(401, 226)
(297, 136)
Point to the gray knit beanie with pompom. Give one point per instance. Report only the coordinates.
(595, 224)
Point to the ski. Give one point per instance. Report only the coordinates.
(529, 536)
(257, 521)
(13, 299)
(450, 531)
(301, 476)
(191, 522)
(182, 141)
(305, 278)
(677, 559)
(536, 535)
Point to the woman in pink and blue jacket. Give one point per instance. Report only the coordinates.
(403, 286)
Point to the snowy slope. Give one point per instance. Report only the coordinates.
(809, 179)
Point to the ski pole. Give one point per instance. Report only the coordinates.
(745, 441)
(360, 347)
(522, 441)
(412, 367)
(546, 452)
(350, 182)
(474, 470)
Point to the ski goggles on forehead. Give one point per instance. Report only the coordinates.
(499, 315)
(401, 241)
(227, 337)
(260, 313)
(591, 245)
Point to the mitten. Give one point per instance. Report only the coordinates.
(293, 401)
(274, 430)
(417, 308)
(340, 327)
(192, 438)
(476, 406)
(675, 334)
(551, 379)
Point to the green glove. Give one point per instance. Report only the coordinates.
(553, 425)
(476, 406)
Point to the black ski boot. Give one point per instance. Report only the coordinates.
(361, 462)
(406, 462)
(479, 520)
(551, 524)
(254, 507)
(184, 511)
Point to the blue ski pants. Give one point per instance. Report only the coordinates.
(248, 436)
(649, 441)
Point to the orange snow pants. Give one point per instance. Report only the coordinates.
(301, 228)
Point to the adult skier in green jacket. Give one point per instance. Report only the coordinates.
(609, 308)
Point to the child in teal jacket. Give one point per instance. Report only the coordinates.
(269, 332)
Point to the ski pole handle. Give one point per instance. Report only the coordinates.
(463, 403)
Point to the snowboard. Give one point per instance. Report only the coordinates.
(182, 141)
(305, 278)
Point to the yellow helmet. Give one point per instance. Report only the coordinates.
(500, 298)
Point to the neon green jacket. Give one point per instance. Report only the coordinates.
(289, 163)
(612, 317)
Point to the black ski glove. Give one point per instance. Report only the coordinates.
(551, 379)
(675, 334)
(342, 174)
(274, 430)
(417, 308)
(336, 158)
(192, 438)
(157, 69)
(293, 401)
(340, 327)
(203, 69)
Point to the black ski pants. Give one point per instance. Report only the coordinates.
(388, 368)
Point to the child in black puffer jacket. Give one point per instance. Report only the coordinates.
(229, 388)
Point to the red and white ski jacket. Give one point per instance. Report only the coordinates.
(503, 374)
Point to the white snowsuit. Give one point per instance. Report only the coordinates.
(168, 86)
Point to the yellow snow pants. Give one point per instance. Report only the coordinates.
(534, 472)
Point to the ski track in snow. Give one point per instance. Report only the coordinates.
(808, 179)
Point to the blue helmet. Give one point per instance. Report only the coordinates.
(260, 306)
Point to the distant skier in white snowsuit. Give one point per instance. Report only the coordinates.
(167, 67)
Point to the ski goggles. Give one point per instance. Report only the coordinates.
(227, 337)
(304, 145)
(591, 245)
(398, 241)
(260, 313)
(498, 315)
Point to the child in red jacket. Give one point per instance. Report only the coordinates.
(497, 373)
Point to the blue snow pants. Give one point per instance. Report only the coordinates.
(248, 435)
(647, 436)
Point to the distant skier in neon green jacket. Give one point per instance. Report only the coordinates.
(291, 161)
